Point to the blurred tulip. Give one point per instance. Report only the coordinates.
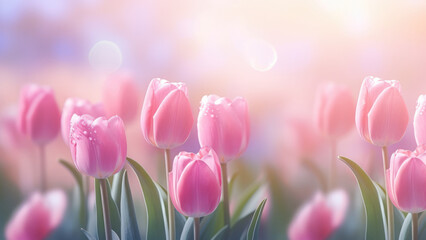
(320, 217)
(166, 118)
(381, 113)
(121, 97)
(224, 125)
(420, 121)
(98, 146)
(334, 110)
(37, 217)
(78, 106)
(195, 182)
(39, 115)
(406, 180)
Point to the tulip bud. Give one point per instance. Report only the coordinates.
(78, 106)
(37, 217)
(334, 110)
(98, 146)
(195, 182)
(381, 115)
(406, 180)
(320, 217)
(39, 115)
(420, 121)
(224, 126)
(121, 97)
(166, 118)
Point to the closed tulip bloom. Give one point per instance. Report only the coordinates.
(224, 125)
(420, 121)
(121, 97)
(36, 218)
(406, 180)
(78, 106)
(195, 182)
(334, 110)
(98, 146)
(381, 114)
(39, 115)
(320, 217)
(166, 118)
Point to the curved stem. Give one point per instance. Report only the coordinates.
(170, 207)
(415, 226)
(42, 168)
(105, 208)
(225, 193)
(196, 228)
(391, 233)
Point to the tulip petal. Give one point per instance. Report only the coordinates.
(338, 201)
(410, 185)
(173, 120)
(388, 118)
(198, 190)
(420, 121)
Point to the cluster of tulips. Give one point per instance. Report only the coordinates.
(195, 201)
(98, 146)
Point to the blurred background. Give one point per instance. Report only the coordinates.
(274, 53)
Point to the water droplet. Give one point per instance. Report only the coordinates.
(73, 142)
(212, 115)
(90, 138)
(85, 132)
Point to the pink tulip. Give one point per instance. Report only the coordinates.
(37, 217)
(98, 146)
(381, 115)
(166, 118)
(334, 110)
(39, 115)
(406, 180)
(78, 106)
(320, 217)
(420, 121)
(224, 125)
(195, 182)
(121, 97)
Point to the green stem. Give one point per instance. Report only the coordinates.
(43, 181)
(105, 208)
(170, 207)
(196, 228)
(225, 193)
(415, 226)
(391, 233)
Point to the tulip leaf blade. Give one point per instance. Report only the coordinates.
(129, 225)
(116, 188)
(79, 179)
(242, 205)
(375, 228)
(187, 231)
(213, 223)
(156, 228)
(239, 229)
(254, 225)
(87, 234)
(405, 233)
(221, 234)
(114, 214)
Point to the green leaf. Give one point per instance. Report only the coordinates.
(239, 229)
(156, 229)
(79, 179)
(254, 225)
(242, 205)
(116, 188)
(406, 228)
(375, 228)
(221, 234)
(213, 223)
(129, 225)
(187, 231)
(88, 236)
(114, 214)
